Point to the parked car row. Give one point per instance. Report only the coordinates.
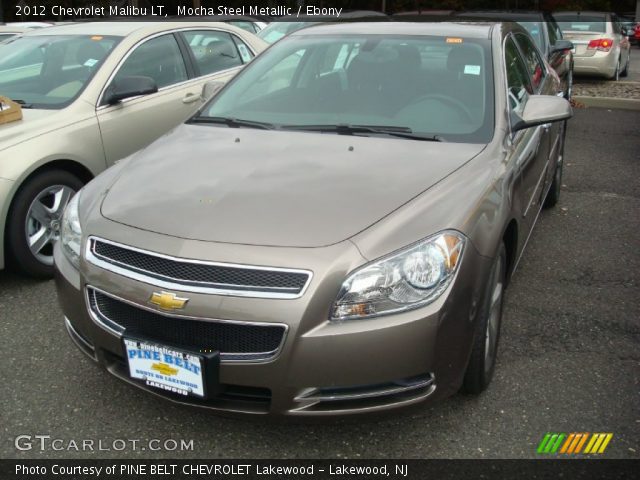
(12, 29)
(91, 94)
(330, 232)
(601, 45)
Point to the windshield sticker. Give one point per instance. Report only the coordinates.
(453, 40)
(97, 38)
(91, 62)
(472, 69)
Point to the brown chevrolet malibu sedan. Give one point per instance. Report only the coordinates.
(332, 233)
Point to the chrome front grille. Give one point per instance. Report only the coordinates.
(197, 276)
(234, 340)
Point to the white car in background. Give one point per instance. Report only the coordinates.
(9, 30)
(601, 48)
(91, 94)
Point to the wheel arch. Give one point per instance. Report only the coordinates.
(71, 166)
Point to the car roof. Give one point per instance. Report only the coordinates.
(586, 13)
(120, 29)
(506, 14)
(13, 29)
(444, 29)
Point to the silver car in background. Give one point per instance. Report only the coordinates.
(601, 48)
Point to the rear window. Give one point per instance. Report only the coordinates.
(582, 23)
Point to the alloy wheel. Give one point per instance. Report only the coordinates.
(44, 220)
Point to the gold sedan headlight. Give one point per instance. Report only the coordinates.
(405, 280)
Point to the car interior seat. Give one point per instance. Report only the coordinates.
(465, 78)
(89, 56)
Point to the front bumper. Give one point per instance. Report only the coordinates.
(322, 368)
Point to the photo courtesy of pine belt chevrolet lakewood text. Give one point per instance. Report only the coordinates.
(332, 232)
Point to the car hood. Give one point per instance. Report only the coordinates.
(274, 188)
(34, 122)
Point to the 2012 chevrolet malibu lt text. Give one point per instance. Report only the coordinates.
(332, 233)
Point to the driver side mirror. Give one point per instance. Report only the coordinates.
(561, 45)
(209, 89)
(541, 109)
(128, 87)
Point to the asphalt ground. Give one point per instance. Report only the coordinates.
(569, 359)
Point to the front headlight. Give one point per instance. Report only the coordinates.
(71, 231)
(405, 280)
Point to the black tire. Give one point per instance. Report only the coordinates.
(553, 195)
(625, 72)
(481, 364)
(616, 73)
(569, 93)
(20, 256)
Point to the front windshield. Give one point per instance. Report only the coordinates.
(433, 86)
(48, 71)
(276, 30)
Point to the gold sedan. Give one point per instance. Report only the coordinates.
(91, 94)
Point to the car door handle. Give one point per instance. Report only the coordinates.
(190, 98)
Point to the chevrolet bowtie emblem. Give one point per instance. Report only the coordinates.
(168, 301)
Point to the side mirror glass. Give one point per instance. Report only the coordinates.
(127, 87)
(562, 45)
(541, 109)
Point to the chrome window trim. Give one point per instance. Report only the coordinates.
(124, 58)
(255, 357)
(174, 284)
(541, 61)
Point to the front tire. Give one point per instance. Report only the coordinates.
(34, 221)
(485, 344)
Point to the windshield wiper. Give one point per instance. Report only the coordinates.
(23, 104)
(233, 122)
(345, 129)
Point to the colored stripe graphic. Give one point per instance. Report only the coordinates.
(543, 443)
(556, 445)
(567, 443)
(598, 443)
(551, 442)
(584, 439)
(573, 443)
(605, 443)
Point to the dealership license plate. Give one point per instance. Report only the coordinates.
(165, 368)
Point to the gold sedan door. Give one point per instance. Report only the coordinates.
(135, 122)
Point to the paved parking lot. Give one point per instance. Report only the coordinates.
(570, 358)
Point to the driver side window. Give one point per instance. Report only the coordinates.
(518, 82)
(159, 59)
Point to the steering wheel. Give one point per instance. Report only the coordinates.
(461, 107)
